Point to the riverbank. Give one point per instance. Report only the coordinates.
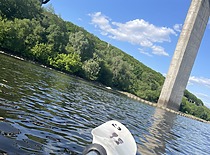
(156, 105)
(113, 90)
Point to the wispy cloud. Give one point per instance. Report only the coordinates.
(144, 52)
(178, 27)
(200, 80)
(158, 50)
(138, 32)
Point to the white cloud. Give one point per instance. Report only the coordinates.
(200, 80)
(178, 27)
(138, 32)
(100, 21)
(144, 52)
(158, 50)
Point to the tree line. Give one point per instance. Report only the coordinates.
(38, 34)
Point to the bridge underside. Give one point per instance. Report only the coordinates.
(185, 54)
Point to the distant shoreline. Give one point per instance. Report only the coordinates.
(121, 92)
(167, 109)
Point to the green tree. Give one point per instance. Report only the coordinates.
(105, 75)
(7, 34)
(67, 62)
(14, 33)
(192, 98)
(91, 68)
(21, 9)
(81, 45)
(35, 35)
(56, 37)
(122, 73)
(41, 52)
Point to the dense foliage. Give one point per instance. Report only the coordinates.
(194, 106)
(38, 34)
(192, 98)
(193, 109)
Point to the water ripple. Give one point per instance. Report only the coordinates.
(47, 112)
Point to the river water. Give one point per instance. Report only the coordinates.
(47, 112)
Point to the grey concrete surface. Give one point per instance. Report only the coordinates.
(185, 54)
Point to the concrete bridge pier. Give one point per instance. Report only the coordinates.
(185, 54)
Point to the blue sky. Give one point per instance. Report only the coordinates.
(146, 29)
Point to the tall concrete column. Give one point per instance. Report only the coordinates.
(185, 54)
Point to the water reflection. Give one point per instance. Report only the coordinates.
(154, 141)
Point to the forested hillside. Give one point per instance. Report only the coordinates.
(38, 34)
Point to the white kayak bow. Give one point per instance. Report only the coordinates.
(113, 138)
